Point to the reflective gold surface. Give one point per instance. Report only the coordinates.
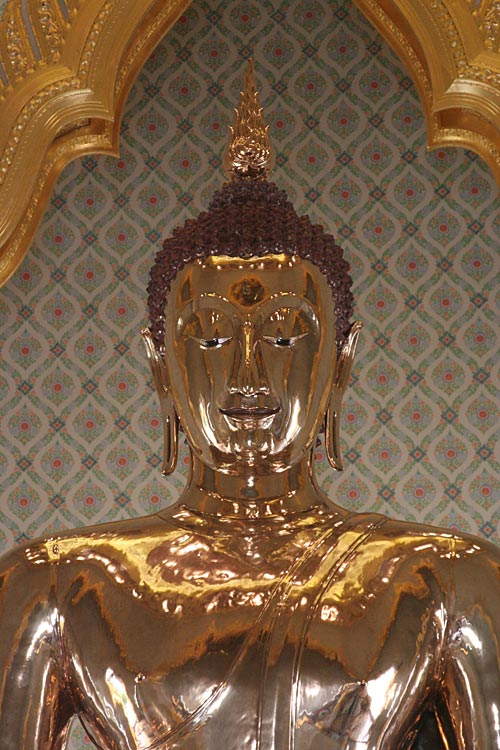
(66, 68)
(64, 79)
(253, 613)
(451, 49)
(254, 360)
(306, 629)
(249, 152)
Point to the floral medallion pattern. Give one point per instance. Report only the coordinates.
(81, 434)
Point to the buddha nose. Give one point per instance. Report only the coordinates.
(249, 372)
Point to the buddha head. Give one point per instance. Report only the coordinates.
(251, 342)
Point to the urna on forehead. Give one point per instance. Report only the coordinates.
(249, 283)
(250, 219)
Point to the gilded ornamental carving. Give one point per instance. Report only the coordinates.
(66, 68)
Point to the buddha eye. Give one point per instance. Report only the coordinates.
(285, 327)
(214, 343)
(281, 342)
(210, 329)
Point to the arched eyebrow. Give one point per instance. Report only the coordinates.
(203, 302)
(286, 299)
(278, 301)
(274, 302)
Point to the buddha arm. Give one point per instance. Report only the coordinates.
(33, 711)
(471, 686)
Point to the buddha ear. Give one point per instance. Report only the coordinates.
(343, 368)
(170, 420)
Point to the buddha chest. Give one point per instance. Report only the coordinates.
(185, 641)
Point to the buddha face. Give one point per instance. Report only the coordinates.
(250, 358)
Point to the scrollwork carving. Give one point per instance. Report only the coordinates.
(87, 58)
(443, 43)
(51, 28)
(71, 98)
(17, 52)
(487, 16)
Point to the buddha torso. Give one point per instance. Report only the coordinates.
(184, 631)
(299, 627)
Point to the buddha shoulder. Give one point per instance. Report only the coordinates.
(122, 544)
(153, 553)
(410, 538)
(459, 562)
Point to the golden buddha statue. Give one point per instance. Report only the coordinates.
(254, 613)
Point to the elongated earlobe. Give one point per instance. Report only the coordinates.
(170, 420)
(332, 434)
(343, 370)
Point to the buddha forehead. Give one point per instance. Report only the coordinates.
(249, 283)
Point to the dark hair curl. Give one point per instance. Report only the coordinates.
(249, 218)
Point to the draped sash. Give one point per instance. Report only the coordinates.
(267, 666)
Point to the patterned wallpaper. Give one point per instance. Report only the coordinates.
(80, 436)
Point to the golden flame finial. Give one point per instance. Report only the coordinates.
(249, 152)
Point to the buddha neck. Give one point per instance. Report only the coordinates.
(251, 495)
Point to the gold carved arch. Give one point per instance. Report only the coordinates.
(66, 67)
